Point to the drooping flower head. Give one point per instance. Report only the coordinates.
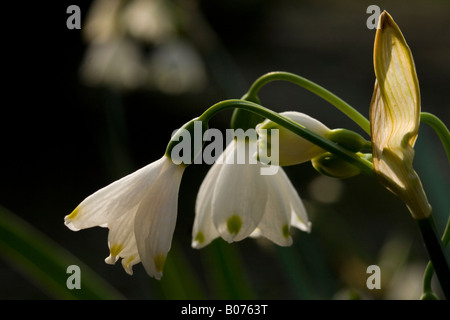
(140, 211)
(236, 201)
(395, 117)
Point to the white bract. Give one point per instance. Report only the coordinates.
(235, 201)
(395, 117)
(140, 211)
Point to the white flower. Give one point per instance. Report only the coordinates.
(235, 201)
(293, 149)
(140, 211)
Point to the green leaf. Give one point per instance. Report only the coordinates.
(45, 263)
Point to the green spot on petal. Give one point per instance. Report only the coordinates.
(131, 258)
(159, 260)
(234, 224)
(73, 214)
(285, 231)
(200, 237)
(115, 249)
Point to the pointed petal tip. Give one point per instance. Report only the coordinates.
(198, 245)
(308, 227)
(111, 259)
(385, 20)
(158, 276)
(69, 224)
(195, 244)
(287, 243)
(128, 266)
(68, 220)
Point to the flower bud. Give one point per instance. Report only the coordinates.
(395, 117)
(293, 149)
(333, 166)
(348, 139)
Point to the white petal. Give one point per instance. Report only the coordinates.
(299, 216)
(122, 241)
(156, 217)
(110, 202)
(204, 231)
(275, 224)
(239, 200)
(256, 233)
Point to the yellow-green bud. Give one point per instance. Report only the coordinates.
(333, 166)
(348, 139)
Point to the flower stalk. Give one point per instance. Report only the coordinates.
(439, 259)
(363, 164)
(320, 91)
(439, 127)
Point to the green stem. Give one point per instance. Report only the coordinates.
(364, 165)
(440, 129)
(437, 255)
(314, 88)
(429, 271)
(444, 135)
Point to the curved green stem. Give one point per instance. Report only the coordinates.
(444, 135)
(427, 277)
(440, 129)
(362, 164)
(429, 271)
(314, 88)
(437, 254)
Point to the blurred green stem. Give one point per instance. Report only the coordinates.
(439, 259)
(328, 96)
(226, 272)
(444, 135)
(429, 271)
(45, 263)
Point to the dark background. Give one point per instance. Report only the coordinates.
(62, 139)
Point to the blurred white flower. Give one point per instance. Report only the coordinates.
(175, 67)
(150, 21)
(118, 64)
(137, 45)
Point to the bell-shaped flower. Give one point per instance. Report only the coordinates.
(293, 149)
(236, 201)
(395, 117)
(140, 211)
